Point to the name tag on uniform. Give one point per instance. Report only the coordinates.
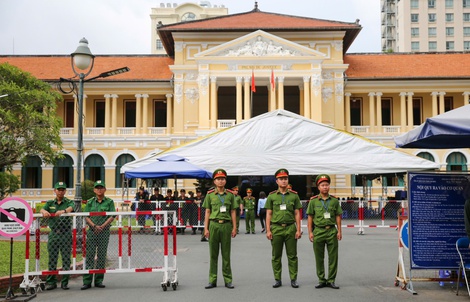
(223, 209)
(283, 207)
(327, 215)
(167, 205)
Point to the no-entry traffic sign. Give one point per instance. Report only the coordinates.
(16, 217)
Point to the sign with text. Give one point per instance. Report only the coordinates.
(436, 218)
(16, 217)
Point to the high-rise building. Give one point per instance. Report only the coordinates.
(169, 13)
(425, 25)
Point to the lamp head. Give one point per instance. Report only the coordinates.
(82, 56)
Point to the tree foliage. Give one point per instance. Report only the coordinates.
(9, 183)
(29, 124)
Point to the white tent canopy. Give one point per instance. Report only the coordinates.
(282, 139)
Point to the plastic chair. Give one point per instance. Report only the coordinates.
(462, 243)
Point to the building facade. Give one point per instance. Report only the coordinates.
(425, 25)
(205, 84)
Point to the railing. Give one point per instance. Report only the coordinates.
(360, 129)
(225, 123)
(391, 129)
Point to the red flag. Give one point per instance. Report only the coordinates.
(253, 86)
(273, 81)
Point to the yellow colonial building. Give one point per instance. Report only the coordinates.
(207, 82)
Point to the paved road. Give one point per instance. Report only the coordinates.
(367, 269)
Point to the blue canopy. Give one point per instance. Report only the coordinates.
(445, 131)
(168, 166)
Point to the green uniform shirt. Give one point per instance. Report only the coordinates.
(106, 205)
(274, 202)
(239, 201)
(52, 206)
(317, 207)
(214, 202)
(249, 203)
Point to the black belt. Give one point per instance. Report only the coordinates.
(326, 227)
(220, 220)
(284, 224)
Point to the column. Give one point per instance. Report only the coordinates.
(371, 112)
(107, 113)
(434, 95)
(204, 103)
(410, 110)
(138, 113)
(239, 109)
(247, 98)
(347, 111)
(306, 96)
(466, 97)
(114, 115)
(145, 114)
(213, 100)
(272, 98)
(301, 100)
(403, 111)
(169, 113)
(379, 111)
(280, 92)
(442, 107)
(316, 98)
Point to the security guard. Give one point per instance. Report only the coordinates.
(219, 224)
(239, 210)
(324, 229)
(60, 237)
(97, 238)
(283, 227)
(249, 203)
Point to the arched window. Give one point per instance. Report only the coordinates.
(426, 155)
(121, 161)
(63, 171)
(31, 173)
(456, 161)
(94, 168)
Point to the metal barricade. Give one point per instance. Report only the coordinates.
(126, 247)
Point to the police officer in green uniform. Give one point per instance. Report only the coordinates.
(249, 207)
(97, 238)
(283, 227)
(220, 225)
(239, 209)
(60, 236)
(324, 229)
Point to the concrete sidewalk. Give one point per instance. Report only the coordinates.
(367, 269)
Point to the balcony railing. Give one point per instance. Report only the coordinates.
(225, 123)
(360, 129)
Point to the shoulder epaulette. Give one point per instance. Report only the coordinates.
(313, 197)
(246, 197)
(290, 190)
(230, 191)
(272, 192)
(333, 196)
(210, 191)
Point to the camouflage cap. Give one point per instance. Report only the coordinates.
(321, 178)
(60, 185)
(218, 173)
(281, 173)
(99, 183)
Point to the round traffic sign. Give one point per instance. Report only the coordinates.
(404, 234)
(16, 217)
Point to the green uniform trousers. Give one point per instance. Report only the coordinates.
(250, 221)
(220, 237)
(59, 242)
(323, 237)
(237, 212)
(96, 244)
(284, 235)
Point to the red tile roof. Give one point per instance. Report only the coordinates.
(391, 66)
(254, 20)
(51, 68)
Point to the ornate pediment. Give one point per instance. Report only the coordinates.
(260, 44)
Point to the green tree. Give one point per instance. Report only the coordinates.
(29, 124)
(9, 183)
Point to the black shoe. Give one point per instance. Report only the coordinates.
(210, 285)
(253, 233)
(229, 285)
(247, 233)
(263, 230)
(277, 284)
(332, 285)
(203, 239)
(100, 285)
(64, 286)
(320, 285)
(85, 286)
(51, 286)
(294, 284)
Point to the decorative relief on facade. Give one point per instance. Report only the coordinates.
(261, 47)
(232, 66)
(203, 83)
(286, 66)
(317, 82)
(339, 92)
(178, 92)
(327, 75)
(192, 95)
(338, 45)
(191, 76)
(179, 46)
(326, 94)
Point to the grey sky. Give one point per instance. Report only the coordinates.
(45, 27)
